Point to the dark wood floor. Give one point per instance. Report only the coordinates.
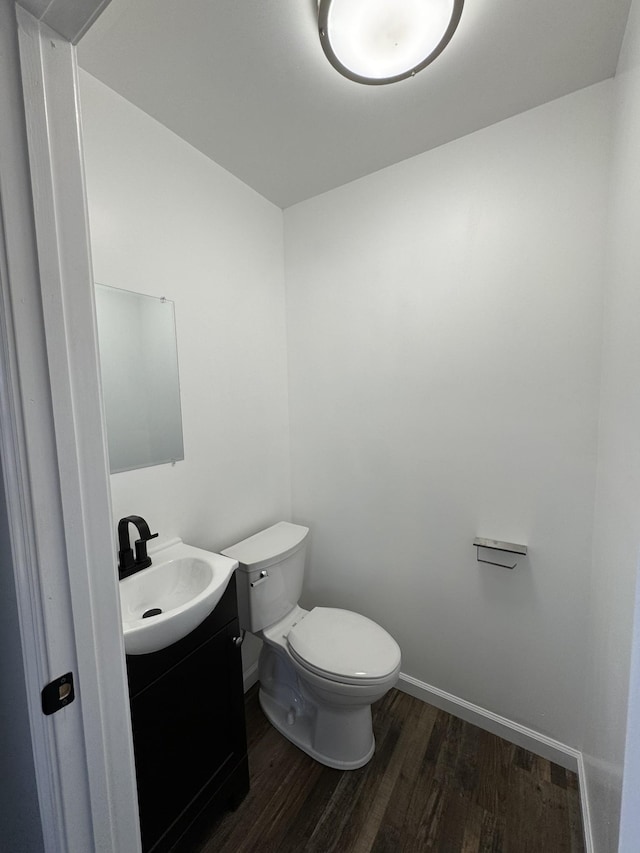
(435, 783)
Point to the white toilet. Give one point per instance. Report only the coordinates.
(319, 670)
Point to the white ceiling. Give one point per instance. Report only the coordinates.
(246, 81)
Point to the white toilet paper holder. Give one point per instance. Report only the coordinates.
(497, 545)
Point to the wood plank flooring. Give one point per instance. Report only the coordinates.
(435, 783)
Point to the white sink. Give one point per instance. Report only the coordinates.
(183, 583)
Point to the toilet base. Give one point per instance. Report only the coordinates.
(308, 730)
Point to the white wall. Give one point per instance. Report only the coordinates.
(167, 221)
(444, 327)
(617, 517)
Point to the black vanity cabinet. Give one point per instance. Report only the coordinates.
(189, 738)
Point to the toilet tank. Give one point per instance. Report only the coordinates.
(270, 573)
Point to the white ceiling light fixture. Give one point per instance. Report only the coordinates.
(382, 41)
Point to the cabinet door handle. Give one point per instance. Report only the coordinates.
(237, 641)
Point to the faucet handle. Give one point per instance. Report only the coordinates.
(142, 558)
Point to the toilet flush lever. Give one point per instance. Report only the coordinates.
(264, 575)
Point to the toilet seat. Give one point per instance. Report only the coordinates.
(343, 646)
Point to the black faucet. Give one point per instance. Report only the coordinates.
(126, 563)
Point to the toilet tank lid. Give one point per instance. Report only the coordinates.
(267, 547)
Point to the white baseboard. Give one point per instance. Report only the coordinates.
(584, 804)
(553, 750)
(250, 676)
(515, 733)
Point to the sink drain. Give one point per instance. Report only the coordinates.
(155, 611)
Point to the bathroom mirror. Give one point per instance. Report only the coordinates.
(140, 384)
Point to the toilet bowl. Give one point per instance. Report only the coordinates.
(319, 670)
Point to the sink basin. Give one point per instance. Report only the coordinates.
(162, 604)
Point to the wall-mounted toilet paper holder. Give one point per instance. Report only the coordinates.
(496, 545)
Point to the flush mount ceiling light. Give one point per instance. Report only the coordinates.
(381, 41)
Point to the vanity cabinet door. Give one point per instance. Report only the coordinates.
(187, 735)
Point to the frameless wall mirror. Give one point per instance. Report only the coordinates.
(140, 384)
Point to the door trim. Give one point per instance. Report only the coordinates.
(55, 462)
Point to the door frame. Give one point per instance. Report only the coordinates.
(53, 447)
